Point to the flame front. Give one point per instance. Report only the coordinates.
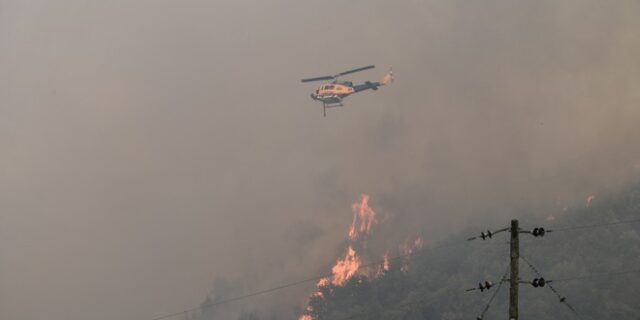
(345, 268)
(363, 218)
(349, 265)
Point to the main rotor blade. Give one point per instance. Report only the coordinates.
(338, 75)
(355, 70)
(318, 79)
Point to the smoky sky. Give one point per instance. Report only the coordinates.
(152, 147)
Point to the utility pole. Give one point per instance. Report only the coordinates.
(514, 278)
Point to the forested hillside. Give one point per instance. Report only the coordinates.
(434, 286)
(592, 256)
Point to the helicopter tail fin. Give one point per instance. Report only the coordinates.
(388, 78)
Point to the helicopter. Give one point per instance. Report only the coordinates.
(332, 94)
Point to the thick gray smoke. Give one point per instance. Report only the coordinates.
(150, 147)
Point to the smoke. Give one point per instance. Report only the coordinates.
(150, 147)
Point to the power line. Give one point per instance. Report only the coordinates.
(406, 304)
(590, 276)
(253, 294)
(561, 298)
(512, 270)
(596, 225)
(296, 283)
(488, 235)
(418, 302)
(538, 282)
(486, 308)
(483, 235)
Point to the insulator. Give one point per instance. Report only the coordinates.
(538, 232)
(538, 282)
(483, 236)
(488, 284)
(489, 233)
(563, 299)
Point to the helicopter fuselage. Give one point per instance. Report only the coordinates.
(332, 93)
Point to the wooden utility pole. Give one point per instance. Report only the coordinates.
(514, 278)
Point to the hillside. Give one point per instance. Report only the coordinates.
(434, 286)
(433, 283)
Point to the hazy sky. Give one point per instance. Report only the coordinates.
(150, 146)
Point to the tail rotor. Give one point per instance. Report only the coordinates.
(388, 78)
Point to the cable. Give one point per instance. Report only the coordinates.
(376, 263)
(362, 314)
(486, 308)
(560, 297)
(296, 283)
(597, 275)
(596, 225)
(489, 234)
(406, 304)
(237, 298)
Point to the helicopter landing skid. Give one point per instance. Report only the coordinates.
(329, 105)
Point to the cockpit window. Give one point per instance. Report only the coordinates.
(328, 87)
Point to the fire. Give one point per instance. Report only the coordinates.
(409, 247)
(385, 263)
(345, 268)
(384, 268)
(363, 218)
(350, 264)
(323, 282)
(589, 200)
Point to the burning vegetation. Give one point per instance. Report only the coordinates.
(364, 218)
(350, 265)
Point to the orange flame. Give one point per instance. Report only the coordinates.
(384, 268)
(385, 264)
(345, 268)
(363, 218)
(323, 282)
